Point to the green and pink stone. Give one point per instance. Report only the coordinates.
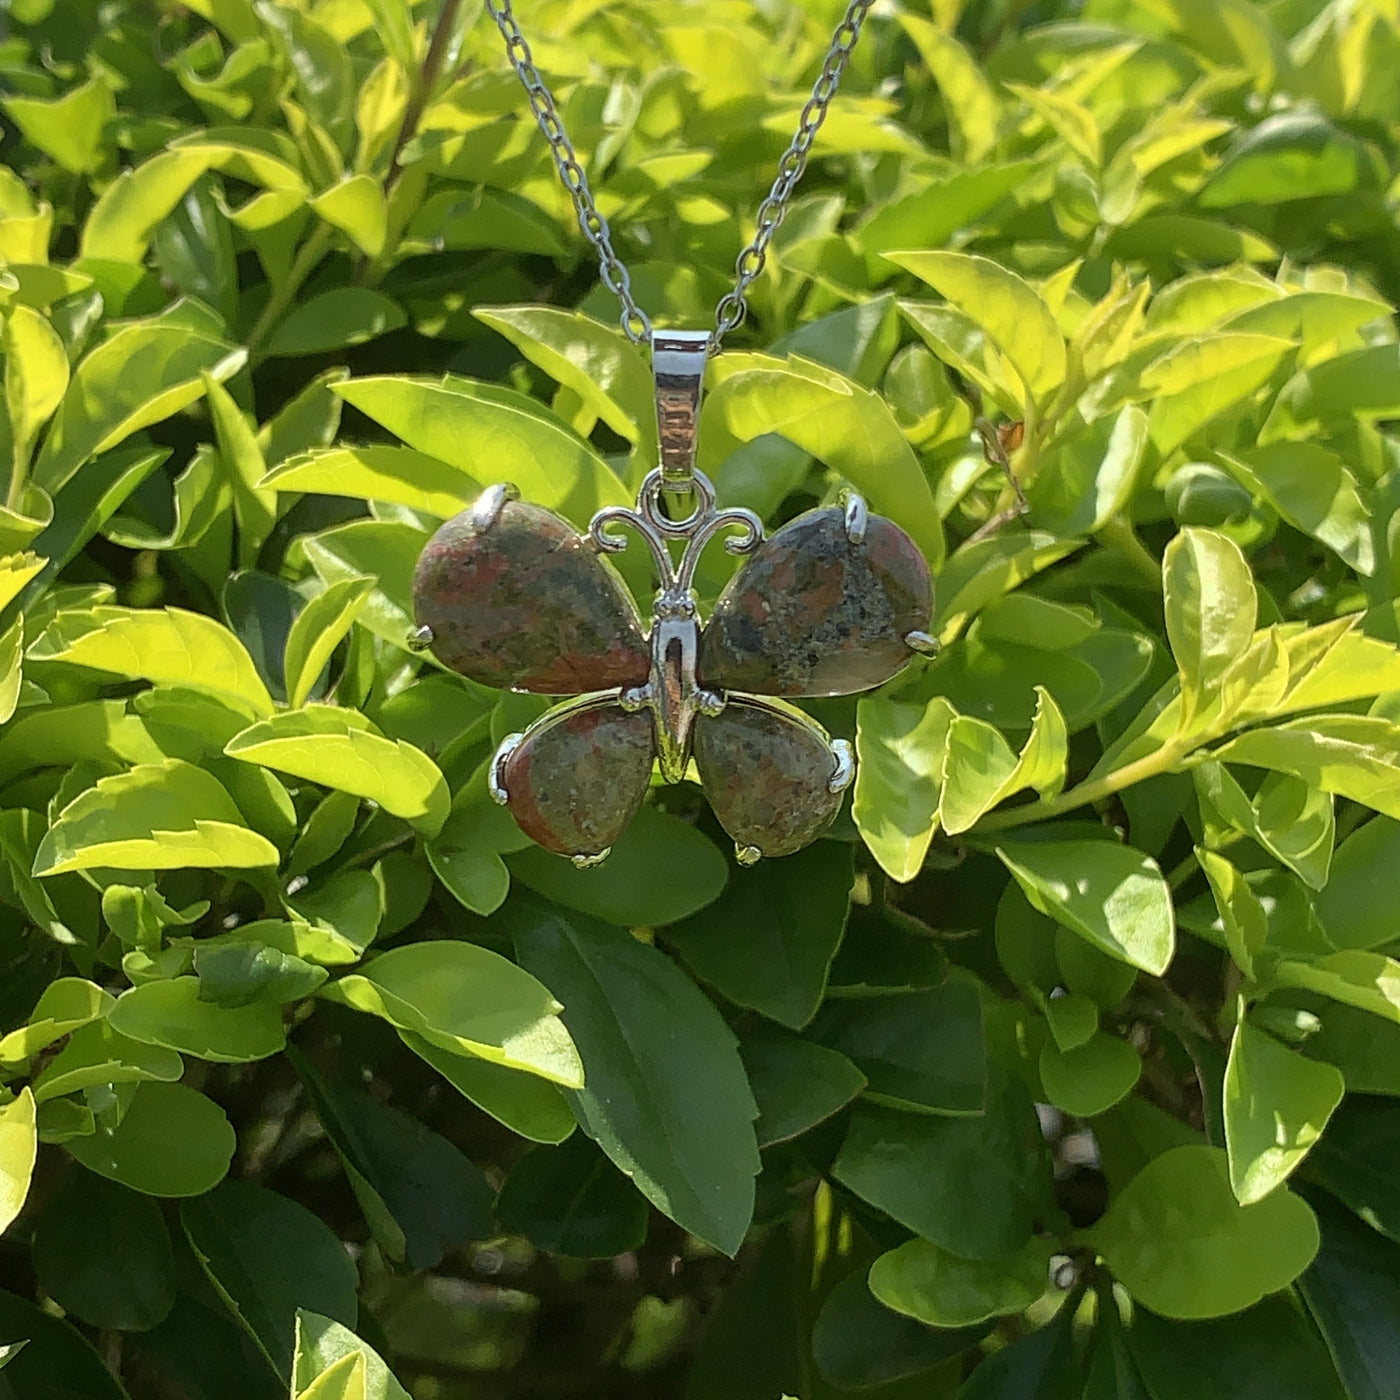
(833, 603)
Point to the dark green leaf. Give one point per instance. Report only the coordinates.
(795, 1083)
(571, 1200)
(420, 1195)
(103, 1254)
(664, 1092)
(767, 941)
(267, 1256)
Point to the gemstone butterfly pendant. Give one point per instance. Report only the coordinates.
(511, 595)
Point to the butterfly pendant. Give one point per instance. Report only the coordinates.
(511, 595)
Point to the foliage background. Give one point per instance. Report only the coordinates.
(275, 970)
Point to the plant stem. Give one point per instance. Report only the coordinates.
(423, 88)
(1163, 761)
(311, 253)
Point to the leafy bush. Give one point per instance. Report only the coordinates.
(1067, 1066)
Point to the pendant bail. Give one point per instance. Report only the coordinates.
(678, 361)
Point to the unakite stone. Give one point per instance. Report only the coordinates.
(767, 775)
(578, 776)
(813, 612)
(522, 601)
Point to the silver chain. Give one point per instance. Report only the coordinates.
(733, 306)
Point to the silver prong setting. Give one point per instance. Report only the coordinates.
(747, 855)
(709, 702)
(486, 509)
(857, 516)
(495, 779)
(585, 861)
(421, 638)
(636, 698)
(844, 766)
(923, 643)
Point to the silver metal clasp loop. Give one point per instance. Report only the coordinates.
(678, 364)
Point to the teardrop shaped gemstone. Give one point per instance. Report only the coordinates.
(767, 775)
(516, 598)
(578, 775)
(813, 612)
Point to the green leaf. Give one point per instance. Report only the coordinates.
(173, 1015)
(1013, 315)
(1241, 913)
(96, 1054)
(857, 1342)
(54, 1361)
(335, 320)
(319, 628)
(768, 940)
(70, 128)
(1110, 894)
(974, 1186)
(848, 427)
(468, 1001)
(267, 1257)
(64, 1005)
(158, 816)
(394, 475)
(922, 1281)
(622, 890)
(1269, 1350)
(241, 972)
(464, 424)
(1356, 907)
(1072, 1019)
(19, 1143)
(1090, 1078)
(795, 1083)
(1352, 1291)
(1094, 475)
(337, 749)
(420, 1196)
(254, 507)
(1288, 155)
(978, 766)
(321, 1342)
(921, 1051)
(666, 1097)
(1276, 1105)
(572, 1201)
(172, 1141)
(356, 206)
(103, 1254)
(36, 375)
(344, 1380)
(973, 109)
(11, 672)
(900, 751)
(1365, 980)
(591, 359)
(1355, 756)
(525, 1103)
(1355, 1161)
(1182, 1245)
(164, 646)
(1211, 610)
(144, 373)
(1312, 490)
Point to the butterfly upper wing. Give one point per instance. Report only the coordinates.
(578, 774)
(514, 597)
(814, 612)
(771, 774)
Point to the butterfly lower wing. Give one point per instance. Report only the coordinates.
(825, 606)
(576, 777)
(773, 776)
(512, 596)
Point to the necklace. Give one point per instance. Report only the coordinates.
(835, 602)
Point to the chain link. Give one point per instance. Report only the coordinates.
(733, 307)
